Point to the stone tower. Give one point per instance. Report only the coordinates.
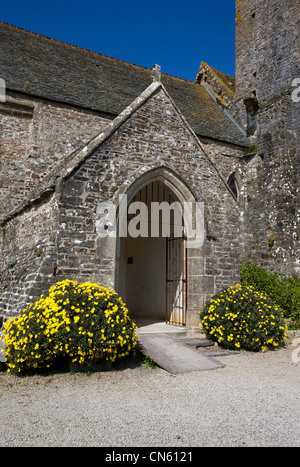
(267, 65)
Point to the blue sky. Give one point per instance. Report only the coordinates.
(176, 34)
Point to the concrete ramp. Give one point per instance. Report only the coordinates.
(175, 356)
(2, 349)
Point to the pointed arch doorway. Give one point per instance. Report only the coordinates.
(153, 269)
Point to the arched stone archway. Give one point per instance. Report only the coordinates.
(152, 261)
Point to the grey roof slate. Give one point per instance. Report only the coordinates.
(45, 67)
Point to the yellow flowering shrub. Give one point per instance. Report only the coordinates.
(242, 318)
(85, 322)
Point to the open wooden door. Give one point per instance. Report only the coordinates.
(176, 281)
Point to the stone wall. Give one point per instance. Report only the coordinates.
(154, 136)
(267, 61)
(28, 256)
(231, 162)
(35, 135)
(63, 240)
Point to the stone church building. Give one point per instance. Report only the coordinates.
(81, 131)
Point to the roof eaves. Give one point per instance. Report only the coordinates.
(247, 138)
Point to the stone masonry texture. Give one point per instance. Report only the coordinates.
(32, 143)
(267, 61)
(66, 243)
(67, 145)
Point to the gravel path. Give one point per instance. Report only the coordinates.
(253, 401)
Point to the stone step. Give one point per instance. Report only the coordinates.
(148, 327)
(197, 342)
(220, 352)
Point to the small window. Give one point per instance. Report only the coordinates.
(233, 186)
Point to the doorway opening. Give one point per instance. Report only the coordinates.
(153, 261)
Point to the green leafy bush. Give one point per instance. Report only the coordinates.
(84, 322)
(242, 318)
(283, 290)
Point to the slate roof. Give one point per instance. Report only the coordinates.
(71, 162)
(48, 68)
(228, 80)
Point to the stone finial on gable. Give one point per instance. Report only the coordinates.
(156, 74)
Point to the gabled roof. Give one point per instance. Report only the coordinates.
(47, 68)
(222, 85)
(228, 80)
(64, 169)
